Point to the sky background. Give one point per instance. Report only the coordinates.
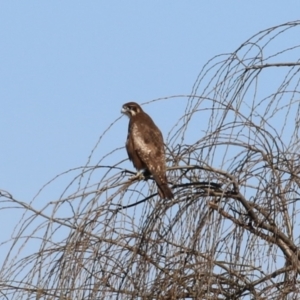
(66, 68)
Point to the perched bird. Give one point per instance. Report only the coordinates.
(145, 147)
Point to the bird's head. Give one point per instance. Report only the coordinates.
(130, 109)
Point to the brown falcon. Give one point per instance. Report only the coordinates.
(145, 147)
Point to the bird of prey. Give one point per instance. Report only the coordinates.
(145, 147)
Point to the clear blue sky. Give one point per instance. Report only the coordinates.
(66, 67)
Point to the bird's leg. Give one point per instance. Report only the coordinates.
(141, 175)
(138, 176)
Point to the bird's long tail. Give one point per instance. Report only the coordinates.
(164, 191)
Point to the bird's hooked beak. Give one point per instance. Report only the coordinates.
(125, 111)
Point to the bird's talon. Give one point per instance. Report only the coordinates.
(138, 176)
